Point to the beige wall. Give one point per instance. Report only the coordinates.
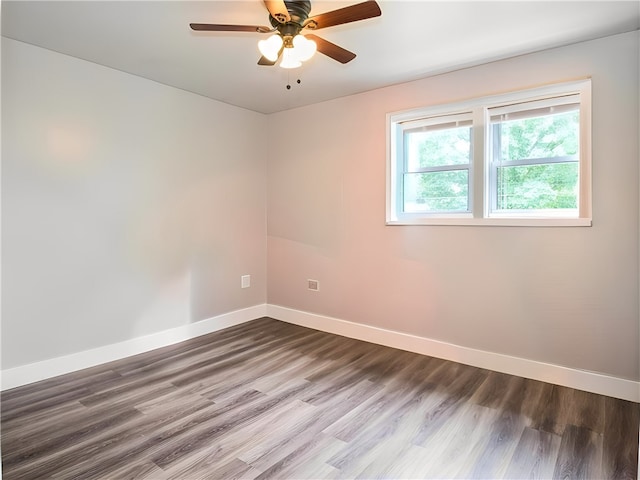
(566, 296)
(128, 207)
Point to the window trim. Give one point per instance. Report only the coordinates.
(479, 170)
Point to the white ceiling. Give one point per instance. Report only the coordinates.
(412, 39)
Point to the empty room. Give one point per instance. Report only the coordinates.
(320, 239)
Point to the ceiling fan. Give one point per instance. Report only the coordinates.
(291, 18)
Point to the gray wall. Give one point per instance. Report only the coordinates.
(128, 207)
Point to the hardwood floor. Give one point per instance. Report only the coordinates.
(271, 400)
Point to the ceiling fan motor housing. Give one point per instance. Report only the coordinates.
(298, 11)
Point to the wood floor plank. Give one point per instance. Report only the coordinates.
(64, 438)
(267, 399)
(552, 414)
(532, 395)
(139, 471)
(588, 411)
(307, 429)
(492, 391)
(235, 415)
(218, 342)
(619, 454)
(230, 381)
(387, 437)
(104, 450)
(27, 433)
(220, 364)
(230, 447)
(406, 414)
(50, 401)
(535, 455)
(268, 441)
(309, 456)
(457, 392)
(232, 469)
(79, 386)
(353, 423)
(578, 454)
(501, 443)
(459, 442)
(413, 462)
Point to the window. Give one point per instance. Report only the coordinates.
(436, 158)
(521, 158)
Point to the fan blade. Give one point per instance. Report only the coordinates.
(353, 13)
(209, 27)
(278, 10)
(265, 61)
(331, 49)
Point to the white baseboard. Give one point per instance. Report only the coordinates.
(545, 372)
(559, 375)
(34, 372)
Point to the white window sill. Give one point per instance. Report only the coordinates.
(495, 222)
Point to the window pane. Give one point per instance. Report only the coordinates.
(437, 147)
(436, 191)
(547, 186)
(544, 136)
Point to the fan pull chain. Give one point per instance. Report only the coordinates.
(289, 86)
(289, 81)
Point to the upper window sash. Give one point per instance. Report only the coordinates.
(430, 124)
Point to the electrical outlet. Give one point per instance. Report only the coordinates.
(313, 285)
(245, 281)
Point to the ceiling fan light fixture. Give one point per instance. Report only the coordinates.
(297, 50)
(303, 48)
(270, 48)
(289, 59)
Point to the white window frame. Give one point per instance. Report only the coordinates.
(480, 170)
